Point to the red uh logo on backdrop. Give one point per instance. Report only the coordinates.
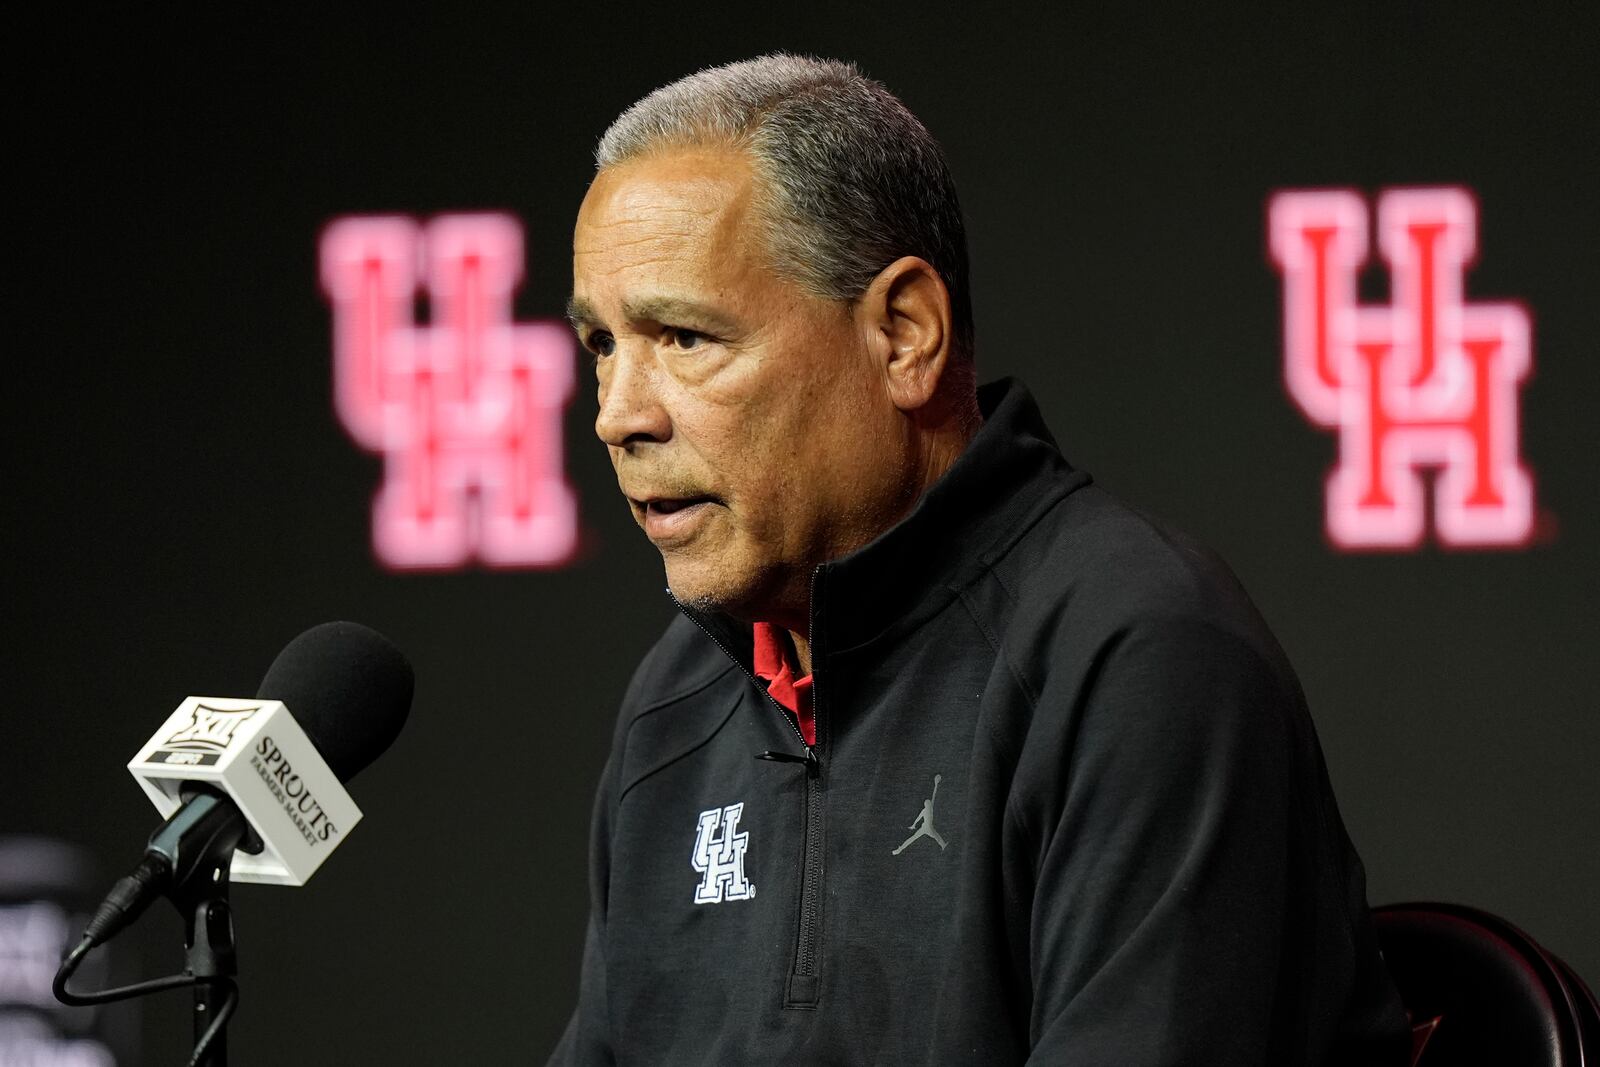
(1424, 381)
(467, 410)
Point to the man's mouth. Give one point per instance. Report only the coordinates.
(673, 520)
(668, 505)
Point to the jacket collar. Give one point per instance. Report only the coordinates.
(1010, 472)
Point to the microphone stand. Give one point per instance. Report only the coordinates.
(187, 860)
(210, 956)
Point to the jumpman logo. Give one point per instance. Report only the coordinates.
(923, 823)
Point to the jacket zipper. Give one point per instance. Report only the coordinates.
(805, 955)
(805, 962)
(810, 757)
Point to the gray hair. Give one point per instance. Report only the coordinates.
(851, 180)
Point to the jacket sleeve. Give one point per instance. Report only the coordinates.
(587, 1039)
(1163, 837)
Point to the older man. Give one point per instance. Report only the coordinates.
(903, 611)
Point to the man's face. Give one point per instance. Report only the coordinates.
(745, 419)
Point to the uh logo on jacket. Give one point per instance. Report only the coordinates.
(718, 856)
(720, 846)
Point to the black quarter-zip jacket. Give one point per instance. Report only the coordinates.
(1066, 805)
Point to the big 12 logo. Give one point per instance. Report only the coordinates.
(1426, 380)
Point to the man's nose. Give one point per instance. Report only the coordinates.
(630, 407)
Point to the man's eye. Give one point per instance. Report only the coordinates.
(686, 339)
(601, 343)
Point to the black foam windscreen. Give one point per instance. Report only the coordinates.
(348, 687)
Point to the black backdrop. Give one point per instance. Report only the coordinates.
(180, 499)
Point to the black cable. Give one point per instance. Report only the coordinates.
(69, 967)
(218, 1021)
(129, 897)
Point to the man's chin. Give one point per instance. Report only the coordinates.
(697, 587)
(702, 597)
(757, 595)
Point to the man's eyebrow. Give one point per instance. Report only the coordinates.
(672, 309)
(665, 309)
(579, 313)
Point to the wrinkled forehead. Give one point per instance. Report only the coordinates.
(687, 212)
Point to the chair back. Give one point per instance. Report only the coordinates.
(1482, 992)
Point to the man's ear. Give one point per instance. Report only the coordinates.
(905, 316)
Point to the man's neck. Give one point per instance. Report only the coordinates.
(802, 652)
(940, 452)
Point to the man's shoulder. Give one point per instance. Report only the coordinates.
(680, 694)
(1132, 643)
(1104, 558)
(1097, 571)
(683, 661)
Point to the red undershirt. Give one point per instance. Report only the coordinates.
(774, 665)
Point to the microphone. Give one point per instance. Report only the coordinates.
(350, 689)
(250, 780)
